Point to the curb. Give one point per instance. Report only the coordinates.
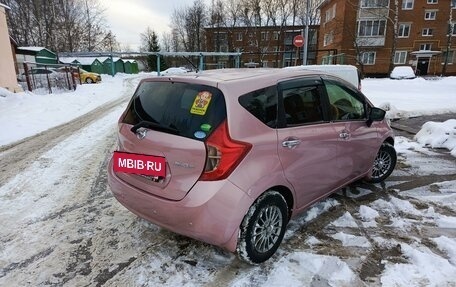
(403, 128)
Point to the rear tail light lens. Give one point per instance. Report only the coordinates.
(223, 154)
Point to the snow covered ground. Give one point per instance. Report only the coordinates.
(61, 225)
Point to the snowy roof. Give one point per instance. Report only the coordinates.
(86, 60)
(34, 49)
(129, 60)
(67, 60)
(4, 6)
(102, 59)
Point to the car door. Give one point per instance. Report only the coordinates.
(306, 145)
(357, 142)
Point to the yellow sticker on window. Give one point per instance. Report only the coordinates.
(201, 103)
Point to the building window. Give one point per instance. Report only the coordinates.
(453, 28)
(400, 57)
(427, 32)
(369, 28)
(430, 14)
(453, 4)
(264, 36)
(451, 57)
(404, 30)
(374, 3)
(239, 37)
(368, 58)
(275, 35)
(407, 4)
(432, 1)
(425, 47)
(330, 13)
(328, 38)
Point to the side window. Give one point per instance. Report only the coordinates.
(262, 104)
(344, 103)
(302, 105)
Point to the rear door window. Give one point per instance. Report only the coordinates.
(262, 104)
(187, 110)
(302, 101)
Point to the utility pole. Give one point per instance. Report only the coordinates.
(306, 35)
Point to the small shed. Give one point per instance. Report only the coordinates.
(107, 64)
(38, 55)
(130, 66)
(91, 64)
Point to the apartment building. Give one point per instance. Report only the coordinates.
(361, 32)
(261, 46)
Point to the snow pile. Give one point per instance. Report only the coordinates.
(412, 97)
(367, 213)
(447, 245)
(352, 240)
(5, 93)
(305, 269)
(424, 268)
(438, 135)
(368, 216)
(345, 220)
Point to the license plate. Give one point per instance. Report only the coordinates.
(139, 164)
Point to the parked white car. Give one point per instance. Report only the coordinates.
(173, 71)
(402, 72)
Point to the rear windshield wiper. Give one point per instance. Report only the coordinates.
(154, 126)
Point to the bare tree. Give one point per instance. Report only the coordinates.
(167, 41)
(188, 25)
(60, 25)
(451, 31)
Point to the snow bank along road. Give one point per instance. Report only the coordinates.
(61, 225)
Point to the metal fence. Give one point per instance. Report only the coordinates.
(48, 78)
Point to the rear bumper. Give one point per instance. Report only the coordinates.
(211, 211)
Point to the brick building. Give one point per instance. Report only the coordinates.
(266, 46)
(360, 32)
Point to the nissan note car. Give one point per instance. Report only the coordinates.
(229, 156)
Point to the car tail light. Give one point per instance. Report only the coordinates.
(223, 154)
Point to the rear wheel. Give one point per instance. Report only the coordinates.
(263, 228)
(384, 163)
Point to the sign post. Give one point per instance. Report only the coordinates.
(298, 42)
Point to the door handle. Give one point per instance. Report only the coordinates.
(344, 135)
(291, 143)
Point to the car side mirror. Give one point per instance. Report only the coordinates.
(375, 115)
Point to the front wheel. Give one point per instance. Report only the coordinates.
(384, 163)
(263, 228)
(89, 81)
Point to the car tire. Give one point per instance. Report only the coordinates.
(263, 228)
(89, 81)
(384, 163)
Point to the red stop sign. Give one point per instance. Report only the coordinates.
(298, 41)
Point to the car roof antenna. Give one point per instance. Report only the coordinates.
(191, 63)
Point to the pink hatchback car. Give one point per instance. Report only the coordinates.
(229, 156)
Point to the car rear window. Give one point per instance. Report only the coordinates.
(191, 110)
